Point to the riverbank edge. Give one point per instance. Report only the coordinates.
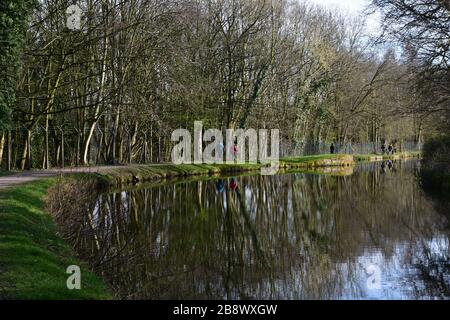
(25, 226)
(153, 172)
(33, 257)
(381, 157)
(147, 173)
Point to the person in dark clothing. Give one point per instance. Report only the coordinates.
(383, 148)
(332, 148)
(390, 149)
(383, 167)
(390, 164)
(234, 151)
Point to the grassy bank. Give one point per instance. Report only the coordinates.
(5, 173)
(33, 258)
(380, 157)
(150, 172)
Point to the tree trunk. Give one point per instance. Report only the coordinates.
(8, 149)
(24, 155)
(88, 142)
(47, 153)
(2, 146)
(77, 156)
(62, 148)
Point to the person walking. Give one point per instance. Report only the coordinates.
(390, 149)
(332, 148)
(219, 152)
(383, 148)
(234, 151)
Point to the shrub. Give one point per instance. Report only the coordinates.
(436, 151)
(435, 172)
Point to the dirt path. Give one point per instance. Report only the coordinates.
(27, 176)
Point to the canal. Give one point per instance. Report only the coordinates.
(371, 232)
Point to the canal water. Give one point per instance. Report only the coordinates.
(367, 233)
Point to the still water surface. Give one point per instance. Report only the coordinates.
(371, 234)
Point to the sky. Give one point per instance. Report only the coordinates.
(353, 7)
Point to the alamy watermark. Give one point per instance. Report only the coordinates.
(73, 21)
(210, 147)
(74, 280)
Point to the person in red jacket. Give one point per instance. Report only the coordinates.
(234, 151)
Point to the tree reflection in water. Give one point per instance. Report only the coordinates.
(292, 236)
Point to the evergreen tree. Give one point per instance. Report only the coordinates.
(13, 19)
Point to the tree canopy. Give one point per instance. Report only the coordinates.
(114, 90)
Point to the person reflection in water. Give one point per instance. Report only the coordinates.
(233, 184)
(390, 164)
(220, 185)
(383, 167)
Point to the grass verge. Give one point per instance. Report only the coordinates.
(150, 172)
(379, 157)
(5, 173)
(33, 258)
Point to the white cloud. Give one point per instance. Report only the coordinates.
(353, 7)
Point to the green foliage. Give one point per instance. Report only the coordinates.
(13, 19)
(435, 172)
(33, 258)
(437, 149)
